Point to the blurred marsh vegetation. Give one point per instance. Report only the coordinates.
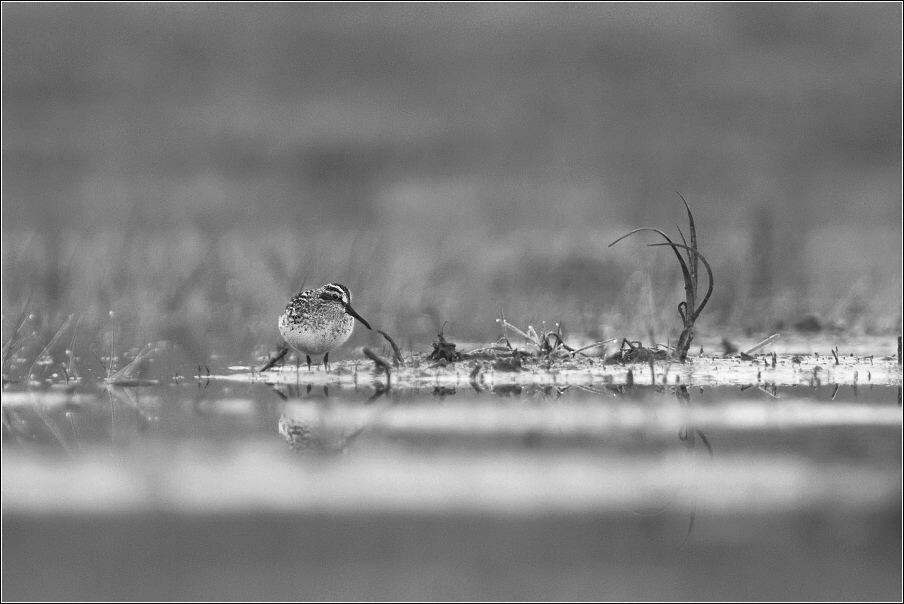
(190, 167)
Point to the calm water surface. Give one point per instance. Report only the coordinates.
(212, 489)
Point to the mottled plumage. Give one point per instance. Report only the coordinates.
(318, 320)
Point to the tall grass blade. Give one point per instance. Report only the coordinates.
(50, 345)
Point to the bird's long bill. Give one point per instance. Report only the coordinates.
(351, 311)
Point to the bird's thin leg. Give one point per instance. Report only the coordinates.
(309, 361)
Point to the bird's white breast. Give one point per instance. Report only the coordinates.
(313, 337)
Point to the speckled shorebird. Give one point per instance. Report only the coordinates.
(318, 320)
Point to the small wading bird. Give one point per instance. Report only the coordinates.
(318, 320)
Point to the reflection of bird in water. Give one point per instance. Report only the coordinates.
(318, 320)
(308, 436)
(313, 434)
(301, 436)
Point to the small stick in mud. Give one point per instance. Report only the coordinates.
(768, 340)
(504, 323)
(594, 345)
(380, 363)
(397, 354)
(283, 352)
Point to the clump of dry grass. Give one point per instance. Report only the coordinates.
(443, 351)
(545, 343)
(635, 352)
(133, 373)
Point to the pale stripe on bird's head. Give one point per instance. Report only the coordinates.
(339, 293)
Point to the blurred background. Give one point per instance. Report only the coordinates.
(174, 173)
(190, 167)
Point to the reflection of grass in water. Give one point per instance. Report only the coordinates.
(221, 294)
